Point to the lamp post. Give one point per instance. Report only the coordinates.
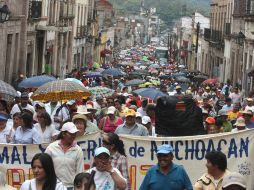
(4, 14)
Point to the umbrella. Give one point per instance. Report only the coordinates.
(156, 66)
(7, 92)
(164, 76)
(101, 91)
(60, 90)
(113, 72)
(36, 81)
(93, 74)
(99, 70)
(200, 78)
(182, 79)
(145, 58)
(151, 93)
(178, 75)
(75, 80)
(134, 82)
(210, 81)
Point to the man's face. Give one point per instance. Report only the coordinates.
(102, 161)
(130, 120)
(24, 102)
(210, 167)
(165, 159)
(3, 124)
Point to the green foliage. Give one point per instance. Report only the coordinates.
(168, 10)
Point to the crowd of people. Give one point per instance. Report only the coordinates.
(23, 121)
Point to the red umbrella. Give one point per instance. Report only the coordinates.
(210, 81)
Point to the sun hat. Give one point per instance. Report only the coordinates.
(130, 112)
(146, 119)
(240, 122)
(69, 127)
(79, 116)
(247, 112)
(3, 117)
(82, 110)
(249, 99)
(101, 150)
(178, 87)
(111, 110)
(165, 149)
(233, 178)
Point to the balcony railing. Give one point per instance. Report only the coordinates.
(81, 31)
(66, 10)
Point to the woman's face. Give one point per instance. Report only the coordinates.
(41, 119)
(81, 186)
(69, 137)
(38, 170)
(80, 124)
(16, 121)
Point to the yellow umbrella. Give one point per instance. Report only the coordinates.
(60, 90)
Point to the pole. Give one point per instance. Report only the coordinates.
(196, 50)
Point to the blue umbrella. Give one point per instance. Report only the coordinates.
(36, 81)
(113, 72)
(179, 75)
(151, 93)
(93, 74)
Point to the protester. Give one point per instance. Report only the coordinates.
(236, 96)
(67, 155)
(117, 152)
(146, 121)
(24, 104)
(210, 126)
(234, 114)
(239, 125)
(223, 115)
(110, 122)
(228, 106)
(16, 123)
(44, 174)
(106, 176)
(216, 170)
(166, 174)
(138, 118)
(142, 109)
(130, 127)
(249, 105)
(26, 133)
(44, 127)
(80, 121)
(234, 181)
(247, 115)
(4, 130)
(84, 181)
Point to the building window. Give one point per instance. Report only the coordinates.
(250, 6)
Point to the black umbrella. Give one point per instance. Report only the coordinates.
(134, 82)
(200, 78)
(182, 79)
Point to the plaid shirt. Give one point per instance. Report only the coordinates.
(120, 162)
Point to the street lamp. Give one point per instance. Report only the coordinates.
(4, 14)
(240, 38)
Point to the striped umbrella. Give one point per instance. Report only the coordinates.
(60, 90)
(7, 92)
(99, 91)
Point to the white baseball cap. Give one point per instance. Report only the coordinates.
(101, 150)
(146, 119)
(69, 127)
(233, 178)
(111, 110)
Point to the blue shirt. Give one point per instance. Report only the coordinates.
(176, 179)
(27, 136)
(250, 125)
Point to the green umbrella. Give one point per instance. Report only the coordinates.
(145, 58)
(99, 91)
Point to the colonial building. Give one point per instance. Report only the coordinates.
(13, 40)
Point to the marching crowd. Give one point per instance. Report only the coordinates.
(23, 121)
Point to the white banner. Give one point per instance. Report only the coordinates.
(189, 151)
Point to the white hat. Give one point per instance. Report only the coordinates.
(82, 110)
(138, 114)
(89, 107)
(69, 127)
(146, 119)
(111, 110)
(240, 122)
(233, 178)
(40, 104)
(101, 150)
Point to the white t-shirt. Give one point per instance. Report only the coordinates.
(16, 109)
(4, 134)
(47, 134)
(32, 182)
(249, 108)
(103, 180)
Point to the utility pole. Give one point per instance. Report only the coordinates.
(196, 49)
